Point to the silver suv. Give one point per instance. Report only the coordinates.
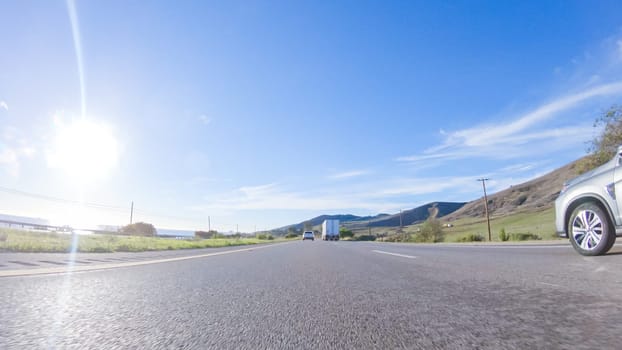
(588, 209)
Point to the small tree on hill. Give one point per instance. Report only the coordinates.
(206, 234)
(344, 232)
(603, 147)
(431, 230)
(138, 229)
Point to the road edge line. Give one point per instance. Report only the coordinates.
(72, 269)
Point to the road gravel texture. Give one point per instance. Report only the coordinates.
(327, 295)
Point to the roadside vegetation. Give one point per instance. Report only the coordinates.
(264, 236)
(26, 241)
(515, 227)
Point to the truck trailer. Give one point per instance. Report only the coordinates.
(330, 230)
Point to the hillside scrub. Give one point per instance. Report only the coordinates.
(471, 238)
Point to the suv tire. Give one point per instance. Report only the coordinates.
(590, 231)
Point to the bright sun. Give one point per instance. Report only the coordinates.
(85, 149)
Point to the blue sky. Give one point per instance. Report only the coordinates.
(265, 113)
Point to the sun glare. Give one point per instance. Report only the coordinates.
(85, 149)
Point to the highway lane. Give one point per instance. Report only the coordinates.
(320, 295)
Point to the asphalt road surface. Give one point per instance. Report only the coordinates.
(324, 295)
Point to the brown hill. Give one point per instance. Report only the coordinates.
(533, 195)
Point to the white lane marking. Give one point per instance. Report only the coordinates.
(466, 245)
(74, 268)
(394, 254)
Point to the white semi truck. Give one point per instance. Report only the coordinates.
(330, 230)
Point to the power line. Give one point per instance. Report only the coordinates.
(60, 200)
(165, 216)
(93, 205)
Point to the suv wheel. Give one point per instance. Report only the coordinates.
(589, 230)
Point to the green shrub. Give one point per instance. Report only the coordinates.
(471, 238)
(365, 238)
(399, 237)
(431, 232)
(138, 229)
(290, 235)
(124, 248)
(344, 232)
(266, 236)
(3, 236)
(205, 234)
(524, 237)
(503, 236)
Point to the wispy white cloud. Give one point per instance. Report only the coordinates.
(202, 180)
(492, 134)
(9, 161)
(274, 197)
(512, 147)
(14, 147)
(383, 196)
(521, 167)
(423, 186)
(204, 119)
(510, 140)
(348, 174)
(4, 105)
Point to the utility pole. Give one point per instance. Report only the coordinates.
(132, 212)
(209, 224)
(483, 180)
(401, 220)
(236, 228)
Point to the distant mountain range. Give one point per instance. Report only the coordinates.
(409, 217)
(412, 216)
(317, 221)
